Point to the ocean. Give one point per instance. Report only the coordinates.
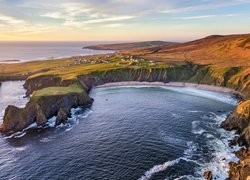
(27, 51)
(130, 133)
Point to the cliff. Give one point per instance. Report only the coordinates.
(43, 105)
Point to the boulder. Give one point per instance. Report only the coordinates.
(62, 116)
(208, 175)
(241, 169)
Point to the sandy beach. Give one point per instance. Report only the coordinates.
(173, 84)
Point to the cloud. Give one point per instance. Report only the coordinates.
(114, 25)
(55, 15)
(9, 20)
(79, 15)
(13, 24)
(108, 19)
(183, 6)
(209, 16)
(198, 17)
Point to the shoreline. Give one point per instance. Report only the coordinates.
(174, 84)
(25, 60)
(241, 154)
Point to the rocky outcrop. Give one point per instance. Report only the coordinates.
(241, 169)
(62, 116)
(208, 175)
(239, 120)
(40, 110)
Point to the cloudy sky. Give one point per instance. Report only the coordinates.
(126, 20)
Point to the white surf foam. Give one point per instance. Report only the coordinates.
(23, 148)
(159, 168)
(45, 140)
(187, 177)
(188, 153)
(222, 153)
(193, 111)
(196, 129)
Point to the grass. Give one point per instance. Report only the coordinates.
(67, 68)
(52, 91)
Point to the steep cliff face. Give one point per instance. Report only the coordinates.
(40, 109)
(180, 73)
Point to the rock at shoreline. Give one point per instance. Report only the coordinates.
(239, 120)
(208, 175)
(62, 116)
(240, 170)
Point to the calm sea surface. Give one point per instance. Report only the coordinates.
(26, 51)
(128, 133)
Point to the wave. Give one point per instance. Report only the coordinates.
(188, 153)
(196, 129)
(45, 140)
(187, 177)
(159, 168)
(22, 148)
(174, 115)
(193, 111)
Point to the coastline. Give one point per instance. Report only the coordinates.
(133, 76)
(174, 84)
(235, 169)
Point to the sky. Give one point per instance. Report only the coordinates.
(121, 20)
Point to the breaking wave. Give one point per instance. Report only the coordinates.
(187, 155)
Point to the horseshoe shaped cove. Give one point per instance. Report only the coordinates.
(42, 107)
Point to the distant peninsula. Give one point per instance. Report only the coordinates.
(130, 46)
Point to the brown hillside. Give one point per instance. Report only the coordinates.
(231, 50)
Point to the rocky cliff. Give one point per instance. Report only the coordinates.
(43, 106)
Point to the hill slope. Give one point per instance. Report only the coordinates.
(231, 50)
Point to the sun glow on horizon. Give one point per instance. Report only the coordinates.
(64, 20)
